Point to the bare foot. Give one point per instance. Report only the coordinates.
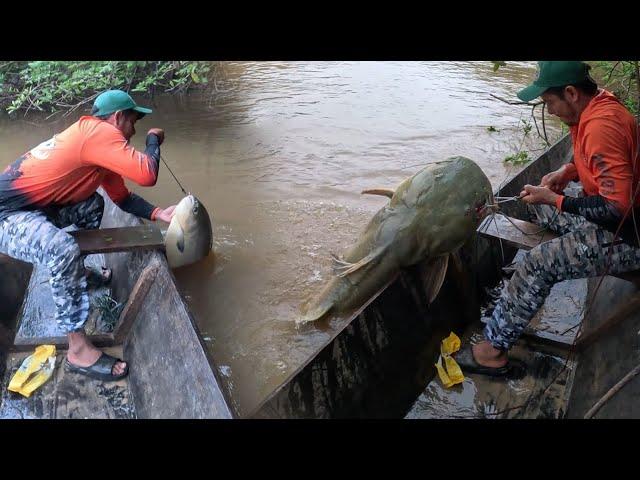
(83, 354)
(487, 356)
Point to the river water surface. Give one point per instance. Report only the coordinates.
(279, 155)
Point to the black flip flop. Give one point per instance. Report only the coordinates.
(98, 276)
(514, 369)
(100, 370)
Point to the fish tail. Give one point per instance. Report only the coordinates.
(315, 312)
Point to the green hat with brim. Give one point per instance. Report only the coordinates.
(115, 100)
(555, 74)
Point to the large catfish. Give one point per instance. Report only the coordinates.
(430, 215)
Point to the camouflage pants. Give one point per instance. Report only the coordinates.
(36, 237)
(583, 250)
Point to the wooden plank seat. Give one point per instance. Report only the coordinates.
(123, 239)
(515, 232)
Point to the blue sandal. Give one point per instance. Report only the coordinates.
(100, 370)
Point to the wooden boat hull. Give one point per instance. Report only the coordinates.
(171, 374)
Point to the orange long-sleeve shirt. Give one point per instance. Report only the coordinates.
(605, 152)
(71, 166)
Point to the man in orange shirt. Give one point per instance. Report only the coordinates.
(54, 185)
(605, 160)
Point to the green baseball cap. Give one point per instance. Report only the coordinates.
(555, 74)
(114, 100)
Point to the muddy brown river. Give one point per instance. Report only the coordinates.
(278, 155)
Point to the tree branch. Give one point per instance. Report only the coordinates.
(626, 95)
(611, 72)
(133, 77)
(535, 122)
(516, 103)
(86, 100)
(612, 391)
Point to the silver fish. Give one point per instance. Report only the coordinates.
(189, 237)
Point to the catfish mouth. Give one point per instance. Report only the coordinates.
(484, 207)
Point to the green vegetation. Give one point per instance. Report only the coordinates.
(522, 156)
(518, 158)
(110, 311)
(62, 87)
(498, 64)
(622, 78)
(491, 128)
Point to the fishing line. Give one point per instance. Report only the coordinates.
(543, 228)
(174, 177)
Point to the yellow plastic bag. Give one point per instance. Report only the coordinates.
(41, 363)
(450, 345)
(452, 375)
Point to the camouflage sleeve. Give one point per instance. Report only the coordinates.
(138, 206)
(152, 149)
(594, 208)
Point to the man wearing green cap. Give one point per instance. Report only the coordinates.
(605, 156)
(54, 185)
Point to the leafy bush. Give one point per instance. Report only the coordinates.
(622, 79)
(60, 86)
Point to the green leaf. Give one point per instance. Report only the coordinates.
(498, 64)
(518, 158)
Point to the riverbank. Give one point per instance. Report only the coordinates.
(53, 88)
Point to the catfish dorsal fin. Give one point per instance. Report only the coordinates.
(433, 274)
(385, 192)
